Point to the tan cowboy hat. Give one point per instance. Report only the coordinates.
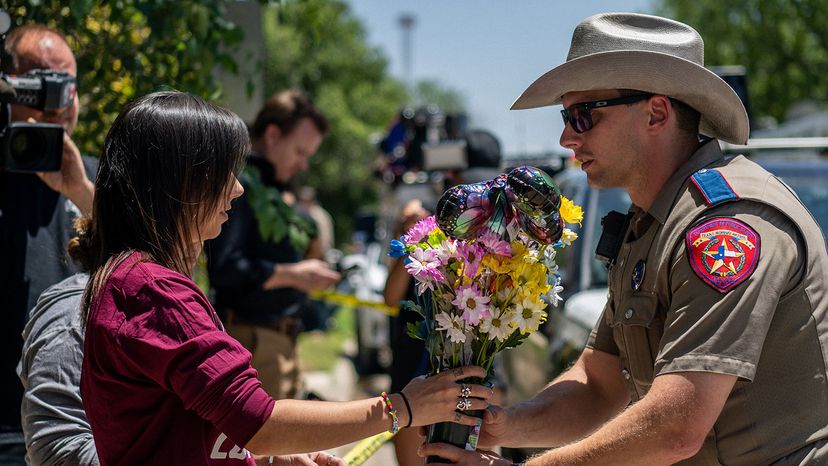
(646, 53)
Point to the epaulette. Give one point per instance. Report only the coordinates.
(713, 186)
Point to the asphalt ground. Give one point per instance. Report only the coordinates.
(343, 384)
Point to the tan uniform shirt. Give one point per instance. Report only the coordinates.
(770, 330)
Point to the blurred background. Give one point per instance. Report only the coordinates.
(364, 61)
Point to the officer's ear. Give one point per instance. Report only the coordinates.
(661, 111)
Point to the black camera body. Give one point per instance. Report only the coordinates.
(33, 147)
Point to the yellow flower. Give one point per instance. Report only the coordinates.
(521, 253)
(570, 212)
(568, 236)
(495, 264)
(530, 279)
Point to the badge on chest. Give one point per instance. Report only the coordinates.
(638, 275)
(723, 252)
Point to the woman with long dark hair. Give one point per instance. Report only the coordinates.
(162, 383)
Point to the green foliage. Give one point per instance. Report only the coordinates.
(275, 217)
(128, 48)
(783, 45)
(319, 47)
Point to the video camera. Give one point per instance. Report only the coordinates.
(32, 147)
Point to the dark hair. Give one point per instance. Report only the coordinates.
(12, 61)
(285, 110)
(165, 166)
(687, 118)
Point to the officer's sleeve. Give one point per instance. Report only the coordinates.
(710, 330)
(600, 338)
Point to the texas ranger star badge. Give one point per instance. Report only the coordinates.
(723, 252)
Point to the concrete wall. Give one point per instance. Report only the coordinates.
(250, 54)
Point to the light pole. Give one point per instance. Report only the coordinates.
(407, 22)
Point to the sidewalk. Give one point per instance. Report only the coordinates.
(341, 384)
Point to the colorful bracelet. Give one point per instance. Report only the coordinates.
(395, 426)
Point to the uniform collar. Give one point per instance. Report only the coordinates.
(707, 153)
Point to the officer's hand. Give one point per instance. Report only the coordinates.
(461, 456)
(495, 427)
(71, 180)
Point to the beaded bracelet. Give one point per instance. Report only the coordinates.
(395, 426)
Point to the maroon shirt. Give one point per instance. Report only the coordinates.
(162, 383)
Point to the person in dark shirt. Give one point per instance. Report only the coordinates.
(36, 215)
(256, 265)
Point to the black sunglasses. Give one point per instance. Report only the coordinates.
(579, 116)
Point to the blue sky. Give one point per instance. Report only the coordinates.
(490, 51)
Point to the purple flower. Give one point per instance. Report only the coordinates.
(492, 243)
(420, 230)
(472, 254)
(424, 264)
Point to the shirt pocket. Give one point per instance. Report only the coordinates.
(637, 328)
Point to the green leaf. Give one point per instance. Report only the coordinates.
(414, 307)
(415, 331)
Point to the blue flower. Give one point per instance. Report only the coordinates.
(397, 249)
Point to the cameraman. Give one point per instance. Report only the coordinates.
(36, 215)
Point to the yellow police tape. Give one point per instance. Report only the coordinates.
(365, 448)
(350, 300)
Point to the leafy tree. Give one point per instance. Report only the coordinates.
(319, 47)
(128, 48)
(783, 45)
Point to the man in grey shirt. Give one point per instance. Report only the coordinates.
(55, 427)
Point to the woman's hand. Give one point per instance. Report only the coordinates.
(319, 458)
(461, 456)
(435, 399)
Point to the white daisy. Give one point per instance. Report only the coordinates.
(528, 315)
(473, 304)
(452, 325)
(496, 327)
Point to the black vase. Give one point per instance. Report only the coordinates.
(459, 435)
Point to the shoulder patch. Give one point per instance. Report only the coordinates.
(723, 252)
(713, 186)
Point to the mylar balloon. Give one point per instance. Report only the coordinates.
(526, 194)
(463, 209)
(533, 191)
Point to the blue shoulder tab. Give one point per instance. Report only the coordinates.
(713, 186)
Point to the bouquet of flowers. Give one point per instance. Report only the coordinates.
(484, 267)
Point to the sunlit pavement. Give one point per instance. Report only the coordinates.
(342, 384)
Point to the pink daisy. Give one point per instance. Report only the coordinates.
(420, 230)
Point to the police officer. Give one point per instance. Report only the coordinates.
(713, 345)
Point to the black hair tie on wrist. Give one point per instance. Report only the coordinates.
(407, 408)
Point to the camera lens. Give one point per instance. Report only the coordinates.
(26, 147)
